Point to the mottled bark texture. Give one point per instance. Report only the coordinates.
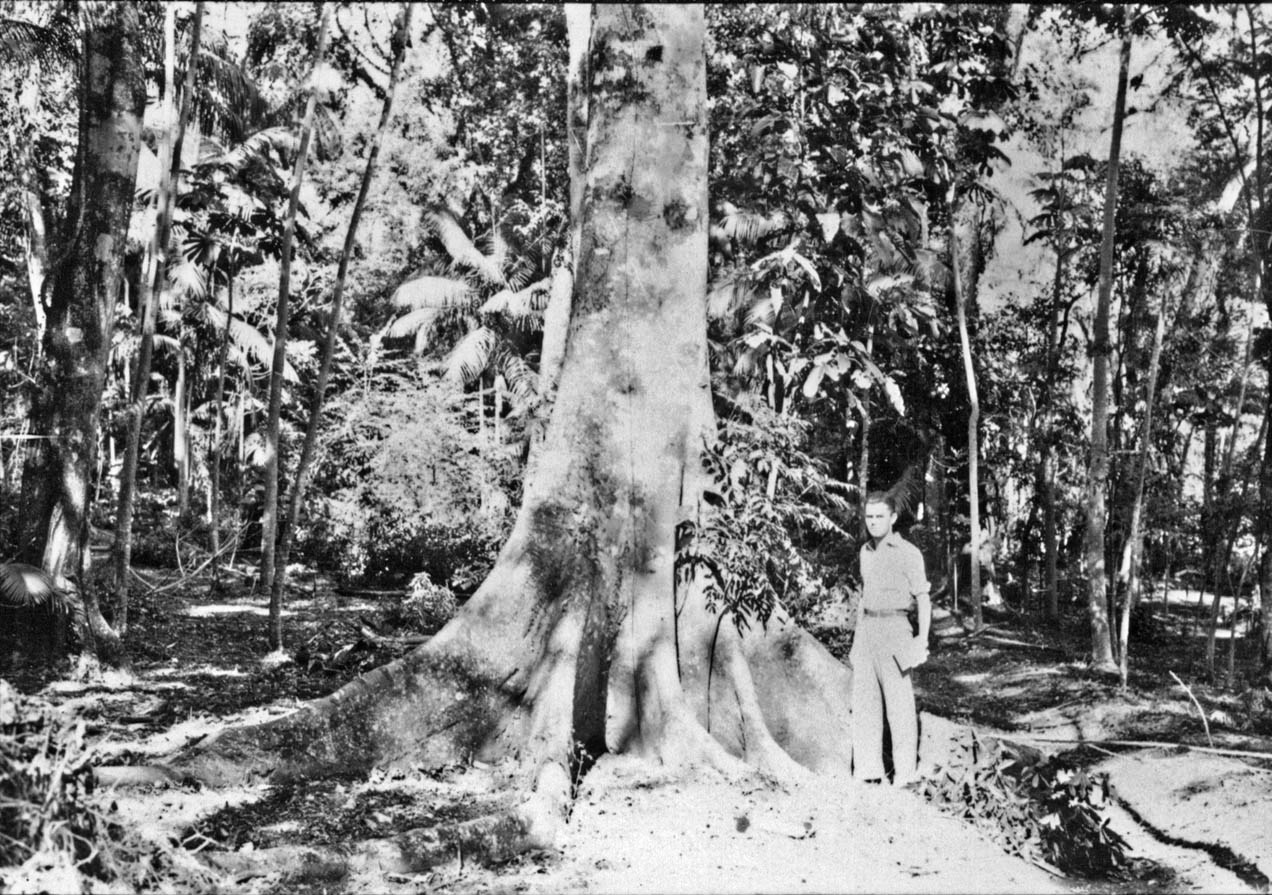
(579, 640)
(83, 292)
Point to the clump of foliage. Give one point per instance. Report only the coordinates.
(1042, 809)
(56, 837)
(405, 486)
(769, 508)
(427, 606)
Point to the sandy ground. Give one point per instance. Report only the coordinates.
(1200, 798)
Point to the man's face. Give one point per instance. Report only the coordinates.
(879, 520)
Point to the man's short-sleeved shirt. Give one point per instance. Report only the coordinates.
(891, 574)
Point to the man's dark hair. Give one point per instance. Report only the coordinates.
(882, 497)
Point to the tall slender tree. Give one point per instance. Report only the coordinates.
(269, 517)
(154, 276)
(1098, 468)
(296, 494)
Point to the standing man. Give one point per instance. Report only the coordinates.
(885, 648)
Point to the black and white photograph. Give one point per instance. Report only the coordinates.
(529, 448)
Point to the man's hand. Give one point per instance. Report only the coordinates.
(913, 654)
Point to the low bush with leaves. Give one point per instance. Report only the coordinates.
(404, 487)
(54, 835)
(1043, 809)
(769, 508)
(427, 606)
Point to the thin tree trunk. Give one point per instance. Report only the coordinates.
(35, 249)
(269, 516)
(973, 421)
(863, 462)
(1097, 479)
(296, 496)
(218, 449)
(1049, 533)
(1135, 540)
(181, 434)
(153, 277)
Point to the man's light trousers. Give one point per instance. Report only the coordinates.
(878, 682)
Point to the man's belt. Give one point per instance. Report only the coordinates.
(885, 613)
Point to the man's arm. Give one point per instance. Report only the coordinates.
(923, 601)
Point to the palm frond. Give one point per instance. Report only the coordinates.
(410, 324)
(26, 587)
(23, 43)
(728, 294)
(433, 292)
(461, 248)
(748, 227)
(228, 100)
(167, 344)
(522, 381)
(522, 303)
(187, 280)
(472, 356)
(248, 339)
(763, 312)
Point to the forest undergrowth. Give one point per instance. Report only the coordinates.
(195, 665)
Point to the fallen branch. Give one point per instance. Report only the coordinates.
(185, 578)
(1201, 713)
(1139, 744)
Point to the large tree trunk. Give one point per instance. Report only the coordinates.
(579, 641)
(83, 292)
(1098, 471)
(269, 517)
(296, 496)
(153, 277)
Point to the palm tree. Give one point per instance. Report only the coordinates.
(490, 306)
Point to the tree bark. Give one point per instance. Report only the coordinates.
(154, 275)
(218, 449)
(1135, 539)
(296, 494)
(579, 640)
(84, 289)
(1098, 470)
(269, 517)
(973, 422)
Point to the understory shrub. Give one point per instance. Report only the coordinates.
(771, 520)
(405, 487)
(426, 606)
(1040, 808)
(55, 836)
